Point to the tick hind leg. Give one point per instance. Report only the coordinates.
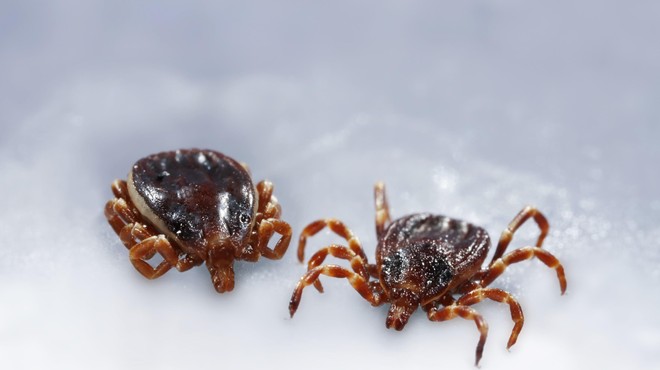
(371, 292)
(497, 268)
(335, 226)
(467, 313)
(522, 216)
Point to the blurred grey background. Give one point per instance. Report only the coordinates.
(471, 109)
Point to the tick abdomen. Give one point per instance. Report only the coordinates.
(461, 245)
(192, 193)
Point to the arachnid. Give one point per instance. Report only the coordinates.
(195, 206)
(426, 260)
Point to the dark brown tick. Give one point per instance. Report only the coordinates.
(426, 260)
(195, 206)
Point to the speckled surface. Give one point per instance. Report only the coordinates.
(471, 110)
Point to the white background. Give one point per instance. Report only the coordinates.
(471, 109)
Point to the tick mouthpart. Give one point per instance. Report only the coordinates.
(399, 313)
(220, 263)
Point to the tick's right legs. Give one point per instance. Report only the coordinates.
(142, 242)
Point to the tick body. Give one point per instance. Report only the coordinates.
(428, 261)
(193, 207)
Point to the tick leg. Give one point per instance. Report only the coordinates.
(338, 228)
(120, 189)
(268, 205)
(382, 209)
(362, 286)
(522, 254)
(266, 230)
(465, 312)
(186, 262)
(497, 295)
(522, 216)
(119, 214)
(445, 300)
(357, 263)
(146, 249)
(135, 235)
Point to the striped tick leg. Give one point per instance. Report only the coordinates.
(467, 313)
(337, 227)
(497, 295)
(522, 254)
(358, 265)
(522, 216)
(362, 286)
(382, 209)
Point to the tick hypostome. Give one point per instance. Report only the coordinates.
(426, 260)
(195, 206)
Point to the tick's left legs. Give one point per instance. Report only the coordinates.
(467, 313)
(522, 216)
(335, 226)
(269, 207)
(497, 295)
(497, 268)
(268, 223)
(358, 265)
(266, 230)
(382, 209)
(370, 292)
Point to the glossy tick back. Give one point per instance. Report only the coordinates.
(426, 260)
(195, 206)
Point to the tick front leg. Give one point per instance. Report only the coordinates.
(266, 230)
(142, 245)
(382, 209)
(522, 216)
(357, 263)
(335, 226)
(501, 296)
(467, 313)
(358, 282)
(497, 268)
(146, 249)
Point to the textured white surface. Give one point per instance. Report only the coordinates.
(471, 109)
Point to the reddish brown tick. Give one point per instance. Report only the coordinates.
(195, 206)
(425, 260)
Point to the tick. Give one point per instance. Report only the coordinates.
(195, 206)
(428, 261)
